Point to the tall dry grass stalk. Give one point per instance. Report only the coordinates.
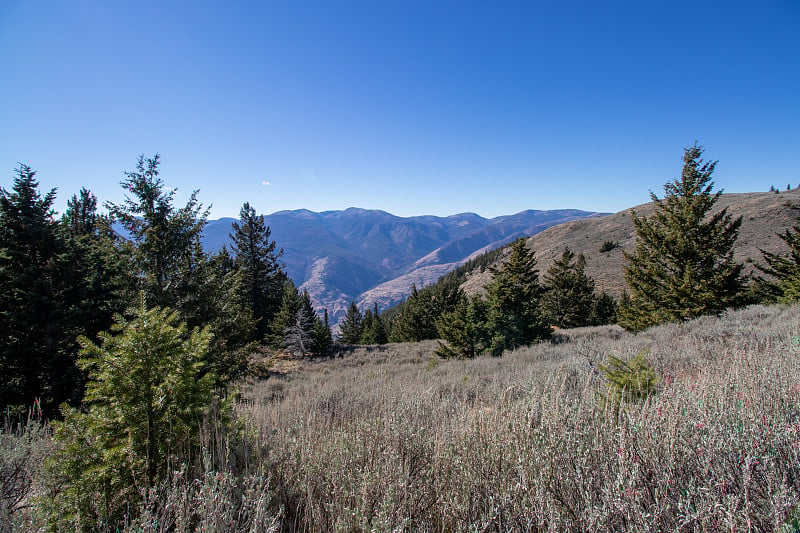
(392, 439)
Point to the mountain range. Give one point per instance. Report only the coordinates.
(373, 257)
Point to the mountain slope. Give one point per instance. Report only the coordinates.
(338, 256)
(764, 215)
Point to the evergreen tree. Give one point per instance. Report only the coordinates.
(415, 319)
(98, 278)
(785, 268)
(683, 264)
(142, 416)
(166, 240)
(351, 328)
(323, 340)
(465, 329)
(299, 336)
(514, 298)
(373, 331)
(569, 292)
(81, 216)
(218, 303)
(286, 316)
(604, 310)
(257, 258)
(37, 319)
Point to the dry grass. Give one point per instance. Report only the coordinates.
(393, 439)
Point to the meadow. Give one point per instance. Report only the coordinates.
(392, 438)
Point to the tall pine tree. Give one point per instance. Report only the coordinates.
(514, 297)
(257, 258)
(352, 326)
(38, 344)
(683, 264)
(166, 239)
(569, 292)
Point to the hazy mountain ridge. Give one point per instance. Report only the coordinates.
(373, 256)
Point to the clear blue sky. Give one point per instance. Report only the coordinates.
(413, 107)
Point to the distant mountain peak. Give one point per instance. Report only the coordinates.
(348, 255)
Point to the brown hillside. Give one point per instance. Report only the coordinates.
(764, 215)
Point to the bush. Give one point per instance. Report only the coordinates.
(628, 381)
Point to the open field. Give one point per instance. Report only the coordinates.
(393, 439)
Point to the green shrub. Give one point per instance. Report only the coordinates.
(628, 381)
(146, 399)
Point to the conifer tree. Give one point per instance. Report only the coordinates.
(299, 336)
(569, 292)
(166, 239)
(465, 329)
(683, 264)
(145, 401)
(514, 297)
(351, 329)
(785, 268)
(374, 331)
(604, 310)
(323, 340)
(286, 316)
(257, 257)
(38, 321)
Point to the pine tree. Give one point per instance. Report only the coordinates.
(785, 268)
(166, 240)
(323, 339)
(465, 329)
(373, 330)
(514, 298)
(286, 316)
(683, 264)
(257, 257)
(569, 292)
(38, 321)
(604, 310)
(299, 336)
(351, 327)
(144, 407)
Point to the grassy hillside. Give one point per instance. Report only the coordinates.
(392, 439)
(764, 215)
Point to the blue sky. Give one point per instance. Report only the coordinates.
(413, 107)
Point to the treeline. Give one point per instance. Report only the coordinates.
(682, 268)
(67, 278)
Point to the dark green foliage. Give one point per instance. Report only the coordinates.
(569, 292)
(218, 303)
(145, 402)
(373, 330)
(514, 298)
(628, 381)
(299, 335)
(172, 270)
(607, 246)
(465, 329)
(166, 239)
(257, 258)
(604, 310)
(784, 268)
(412, 322)
(38, 318)
(81, 215)
(415, 319)
(286, 316)
(683, 264)
(351, 328)
(323, 339)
